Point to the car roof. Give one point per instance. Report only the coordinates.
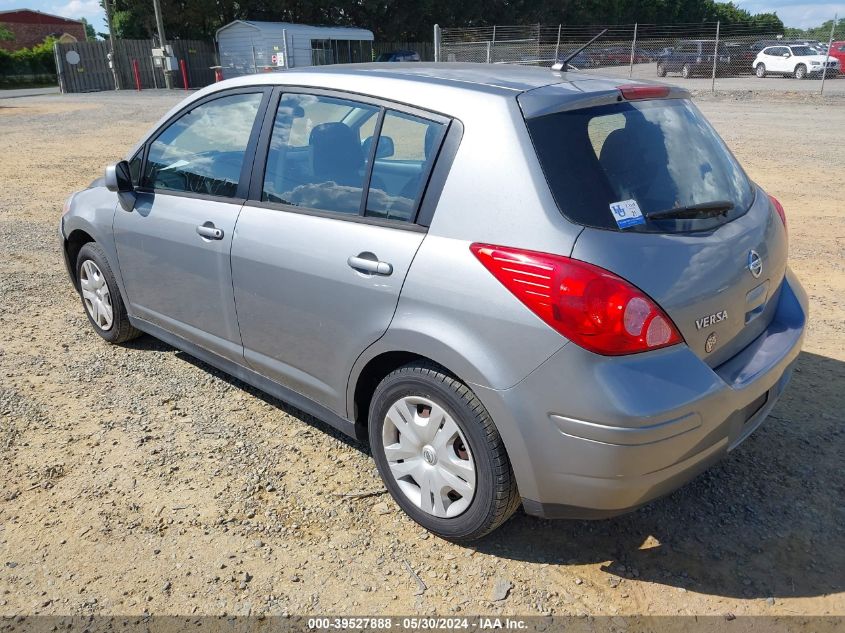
(384, 79)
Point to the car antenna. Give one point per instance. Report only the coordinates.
(564, 64)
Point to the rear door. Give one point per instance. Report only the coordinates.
(680, 56)
(324, 243)
(717, 275)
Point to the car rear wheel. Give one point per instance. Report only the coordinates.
(661, 70)
(760, 70)
(800, 71)
(100, 297)
(686, 71)
(439, 453)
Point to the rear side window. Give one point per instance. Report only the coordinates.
(662, 153)
(317, 159)
(404, 156)
(203, 151)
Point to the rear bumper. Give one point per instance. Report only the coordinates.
(592, 436)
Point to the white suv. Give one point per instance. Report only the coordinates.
(798, 61)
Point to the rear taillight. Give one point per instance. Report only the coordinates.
(589, 305)
(634, 92)
(779, 208)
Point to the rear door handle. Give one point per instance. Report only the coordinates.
(370, 265)
(209, 231)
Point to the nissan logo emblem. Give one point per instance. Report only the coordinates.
(755, 264)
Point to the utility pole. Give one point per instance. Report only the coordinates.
(168, 75)
(827, 56)
(113, 57)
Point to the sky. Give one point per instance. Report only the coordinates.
(792, 12)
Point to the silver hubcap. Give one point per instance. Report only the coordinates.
(95, 294)
(428, 457)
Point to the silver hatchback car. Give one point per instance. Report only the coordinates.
(520, 286)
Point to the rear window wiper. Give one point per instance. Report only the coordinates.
(693, 211)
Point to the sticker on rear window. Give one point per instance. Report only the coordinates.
(627, 213)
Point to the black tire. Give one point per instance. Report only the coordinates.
(496, 496)
(120, 329)
(661, 70)
(800, 71)
(760, 71)
(686, 71)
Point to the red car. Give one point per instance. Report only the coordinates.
(837, 50)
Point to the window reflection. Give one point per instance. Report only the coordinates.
(203, 151)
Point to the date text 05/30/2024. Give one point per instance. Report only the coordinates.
(416, 624)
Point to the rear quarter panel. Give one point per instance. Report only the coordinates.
(452, 310)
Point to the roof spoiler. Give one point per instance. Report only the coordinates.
(563, 97)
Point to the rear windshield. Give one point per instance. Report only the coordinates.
(662, 154)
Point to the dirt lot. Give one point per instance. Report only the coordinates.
(136, 479)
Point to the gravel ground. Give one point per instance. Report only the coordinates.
(136, 479)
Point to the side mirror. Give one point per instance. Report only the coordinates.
(786, 55)
(118, 178)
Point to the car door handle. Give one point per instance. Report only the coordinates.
(209, 231)
(370, 265)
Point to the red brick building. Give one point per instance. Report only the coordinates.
(32, 27)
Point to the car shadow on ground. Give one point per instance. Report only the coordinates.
(149, 343)
(766, 522)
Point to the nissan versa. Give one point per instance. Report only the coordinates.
(521, 286)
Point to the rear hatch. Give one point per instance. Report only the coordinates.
(717, 269)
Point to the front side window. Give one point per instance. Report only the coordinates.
(316, 158)
(203, 151)
(404, 154)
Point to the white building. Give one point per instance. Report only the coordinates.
(248, 47)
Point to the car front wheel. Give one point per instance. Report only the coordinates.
(800, 71)
(439, 453)
(661, 70)
(760, 70)
(100, 297)
(686, 71)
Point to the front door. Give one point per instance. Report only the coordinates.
(775, 60)
(319, 257)
(174, 246)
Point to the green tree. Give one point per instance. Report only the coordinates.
(90, 33)
(5, 34)
(397, 20)
(821, 32)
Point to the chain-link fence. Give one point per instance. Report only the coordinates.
(714, 55)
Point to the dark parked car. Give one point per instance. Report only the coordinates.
(694, 57)
(741, 56)
(399, 56)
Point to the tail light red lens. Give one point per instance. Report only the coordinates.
(589, 305)
(634, 92)
(779, 208)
